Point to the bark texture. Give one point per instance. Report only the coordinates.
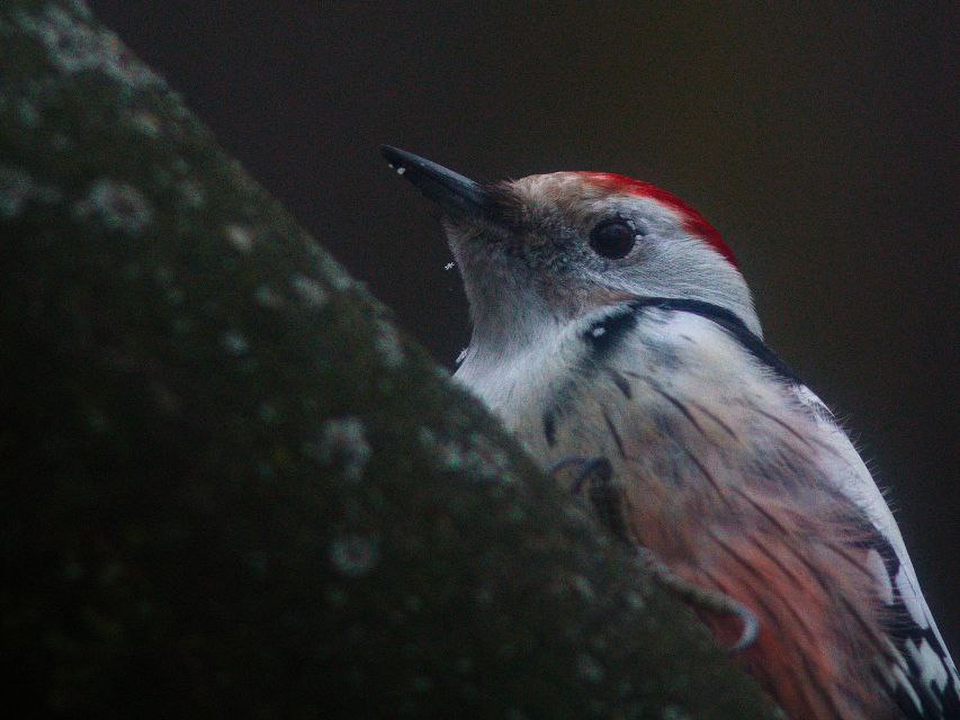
(230, 487)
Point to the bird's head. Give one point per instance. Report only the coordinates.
(543, 250)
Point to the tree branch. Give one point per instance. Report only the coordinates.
(231, 486)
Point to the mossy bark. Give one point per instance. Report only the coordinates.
(231, 487)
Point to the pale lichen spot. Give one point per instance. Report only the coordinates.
(446, 453)
(243, 180)
(457, 418)
(241, 237)
(192, 193)
(27, 113)
(310, 292)
(73, 46)
(117, 205)
(589, 668)
(146, 123)
(334, 273)
(268, 413)
(235, 343)
(477, 457)
(17, 188)
(78, 8)
(60, 142)
(342, 441)
(387, 343)
(635, 600)
(266, 297)
(584, 587)
(354, 555)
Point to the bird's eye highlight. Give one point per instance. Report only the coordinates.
(613, 238)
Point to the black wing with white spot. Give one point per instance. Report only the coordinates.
(925, 685)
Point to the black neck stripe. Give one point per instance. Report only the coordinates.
(606, 333)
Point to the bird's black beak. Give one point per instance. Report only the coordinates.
(454, 193)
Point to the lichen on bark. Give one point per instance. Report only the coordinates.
(231, 486)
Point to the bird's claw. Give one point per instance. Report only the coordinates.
(607, 500)
(598, 466)
(604, 495)
(711, 600)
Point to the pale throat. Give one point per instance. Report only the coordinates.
(510, 325)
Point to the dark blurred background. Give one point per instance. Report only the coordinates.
(821, 142)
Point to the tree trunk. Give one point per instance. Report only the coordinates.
(232, 487)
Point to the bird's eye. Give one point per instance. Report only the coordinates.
(613, 238)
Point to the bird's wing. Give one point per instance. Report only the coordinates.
(924, 678)
(926, 683)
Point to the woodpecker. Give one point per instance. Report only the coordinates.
(611, 322)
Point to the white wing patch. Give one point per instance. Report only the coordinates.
(912, 598)
(934, 671)
(879, 571)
